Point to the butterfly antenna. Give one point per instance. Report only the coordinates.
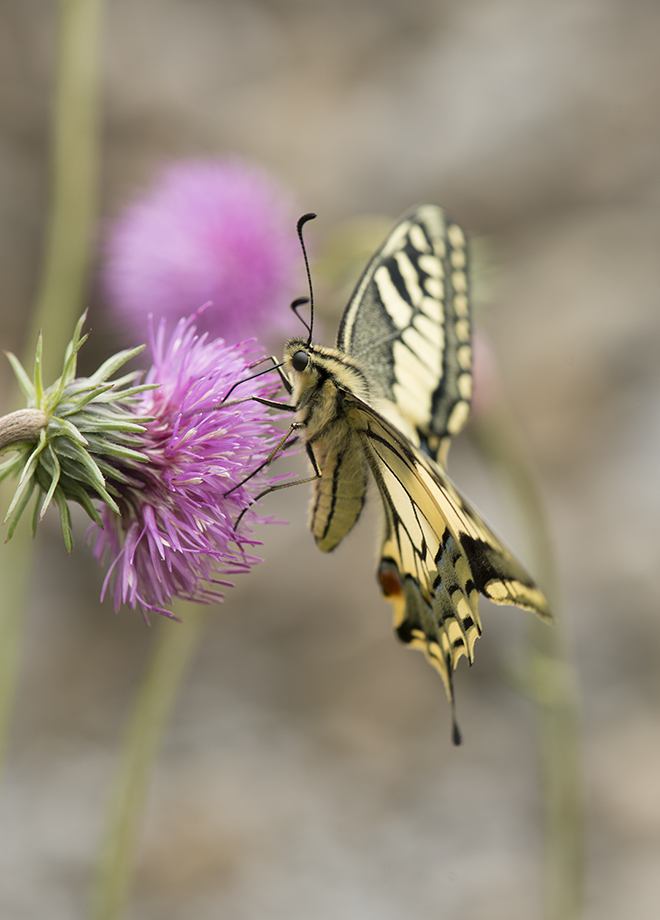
(301, 223)
(298, 302)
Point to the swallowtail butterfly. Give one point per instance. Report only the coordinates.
(383, 405)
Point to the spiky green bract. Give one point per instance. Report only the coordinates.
(81, 452)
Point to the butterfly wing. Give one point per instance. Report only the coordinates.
(438, 555)
(408, 326)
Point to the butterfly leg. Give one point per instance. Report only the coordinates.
(277, 366)
(284, 485)
(281, 485)
(271, 403)
(269, 459)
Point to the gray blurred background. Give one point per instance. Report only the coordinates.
(309, 770)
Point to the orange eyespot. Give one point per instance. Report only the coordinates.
(388, 576)
(300, 361)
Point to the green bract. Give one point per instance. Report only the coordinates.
(84, 442)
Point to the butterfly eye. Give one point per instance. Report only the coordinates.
(300, 361)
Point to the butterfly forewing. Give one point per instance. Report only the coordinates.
(408, 324)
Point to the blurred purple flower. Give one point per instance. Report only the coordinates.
(208, 230)
(175, 534)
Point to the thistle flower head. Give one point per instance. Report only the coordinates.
(175, 534)
(168, 461)
(208, 230)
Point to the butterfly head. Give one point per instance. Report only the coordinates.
(301, 366)
(318, 375)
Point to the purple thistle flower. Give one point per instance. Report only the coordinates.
(208, 230)
(175, 533)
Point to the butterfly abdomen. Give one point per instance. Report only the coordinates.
(339, 494)
(322, 393)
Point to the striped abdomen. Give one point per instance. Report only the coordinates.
(340, 492)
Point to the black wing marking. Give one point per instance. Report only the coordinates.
(408, 326)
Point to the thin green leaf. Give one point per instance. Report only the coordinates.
(112, 475)
(38, 364)
(34, 518)
(101, 448)
(110, 424)
(72, 346)
(112, 365)
(87, 462)
(94, 415)
(24, 381)
(84, 500)
(53, 483)
(69, 453)
(31, 462)
(105, 496)
(13, 464)
(103, 410)
(84, 472)
(77, 339)
(69, 369)
(75, 402)
(120, 382)
(126, 395)
(116, 493)
(124, 453)
(65, 519)
(58, 427)
(18, 507)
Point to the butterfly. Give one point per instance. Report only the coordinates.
(383, 405)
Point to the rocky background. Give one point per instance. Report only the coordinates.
(309, 771)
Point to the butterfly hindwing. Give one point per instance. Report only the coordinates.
(437, 554)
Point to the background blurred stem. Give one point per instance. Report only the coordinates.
(59, 301)
(548, 678)
(75, 165)
(174, 645)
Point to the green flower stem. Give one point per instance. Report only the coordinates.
(68, 248)
(74, 166)
(548, 678)
(14, 578)
(174, 646)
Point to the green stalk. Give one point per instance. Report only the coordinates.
(173, 648)
(548, 678)
(59, 302)
(75, 165)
